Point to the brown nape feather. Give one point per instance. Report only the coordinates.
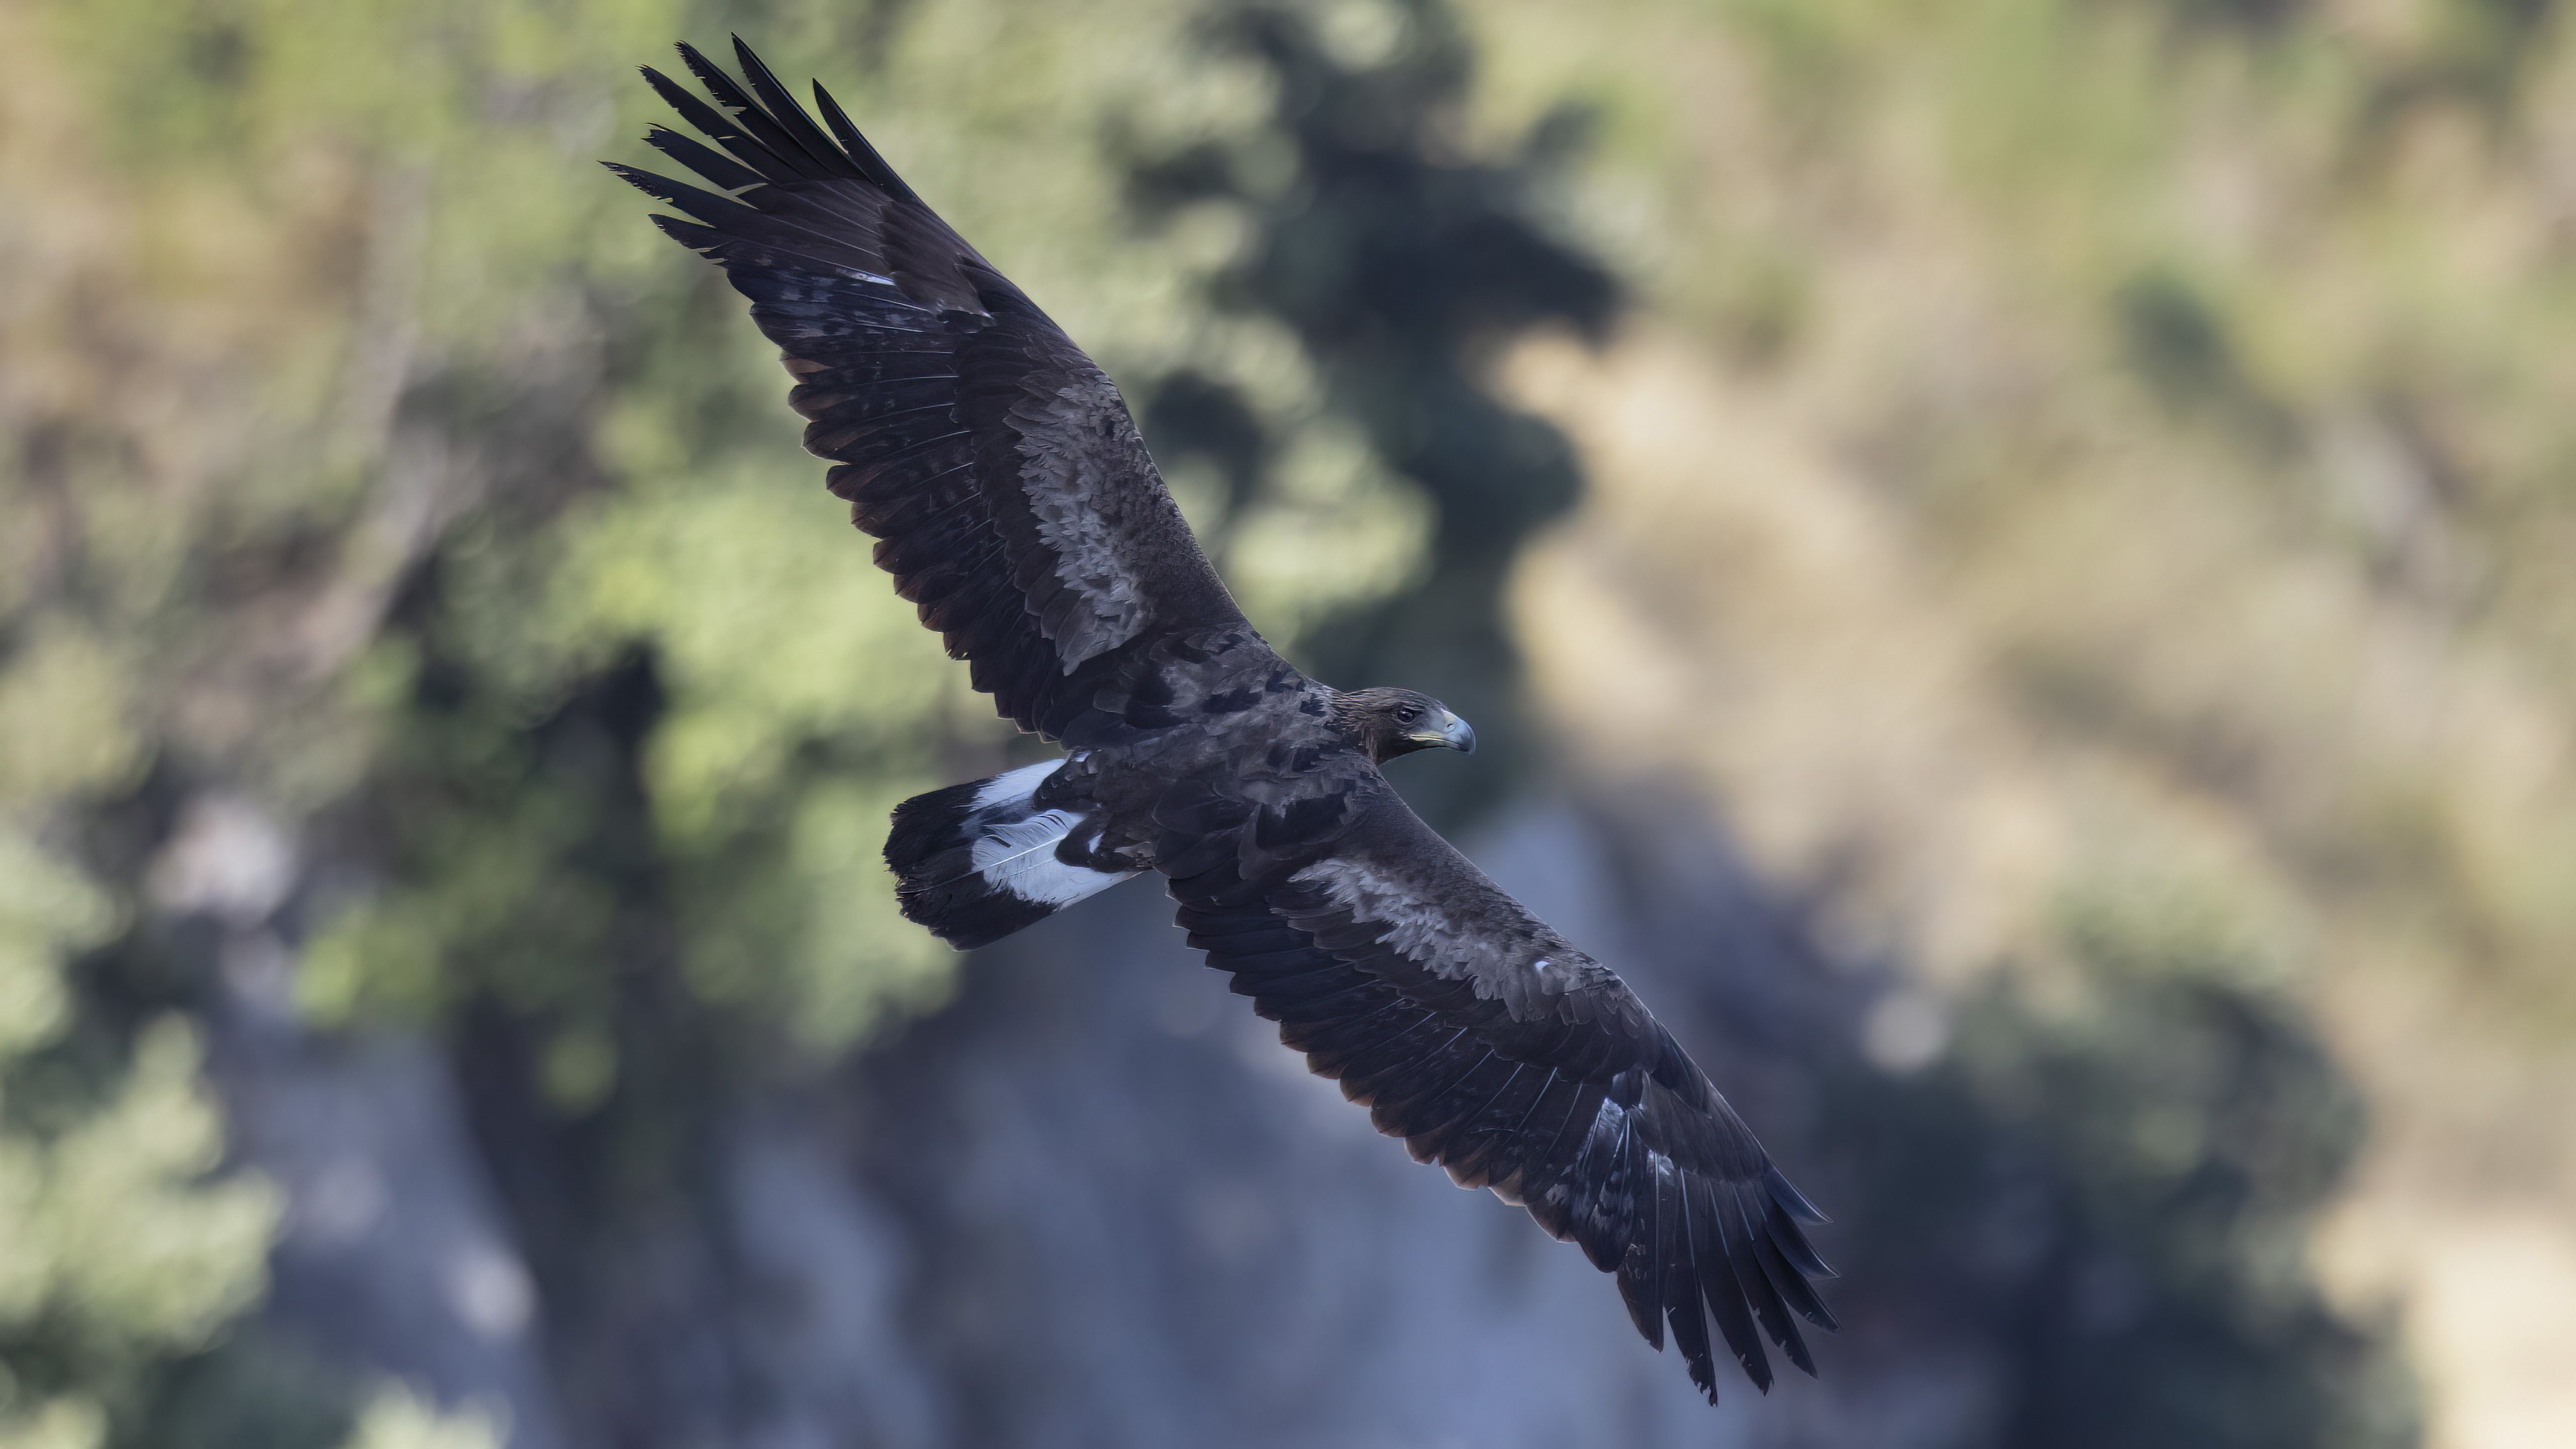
(1385, 722)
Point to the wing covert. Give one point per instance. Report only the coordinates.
(996, 464)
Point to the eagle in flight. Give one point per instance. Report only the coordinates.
(1014, 503)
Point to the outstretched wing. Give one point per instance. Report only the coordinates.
(997, 465)
(1497, 1050)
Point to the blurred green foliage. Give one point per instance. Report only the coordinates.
(2110, 1176)
(116, 1256)
(2158, 1143)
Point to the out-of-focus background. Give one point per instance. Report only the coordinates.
(2015, 555)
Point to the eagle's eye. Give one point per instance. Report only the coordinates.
(1407, 713)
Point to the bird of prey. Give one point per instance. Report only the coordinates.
(1015, 505)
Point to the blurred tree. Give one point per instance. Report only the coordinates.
(2113, 1182)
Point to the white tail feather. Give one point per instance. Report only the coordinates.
(1019, 856)
(976, 862)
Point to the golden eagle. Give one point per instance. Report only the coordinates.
(1015, 505)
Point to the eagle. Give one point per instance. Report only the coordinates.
(1014, 503)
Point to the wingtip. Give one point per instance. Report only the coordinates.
(641, 180)
(661, 188)
(707, 71)
(1792, 1242)
(665, 87)
(1787, 1195)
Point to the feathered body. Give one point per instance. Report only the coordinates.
(1017, 508)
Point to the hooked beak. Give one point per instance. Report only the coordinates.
(1451, 732)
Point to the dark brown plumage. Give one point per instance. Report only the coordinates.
(1016, 507)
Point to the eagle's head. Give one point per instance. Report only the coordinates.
(1392, 722)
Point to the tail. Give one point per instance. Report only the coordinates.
(977, 861)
